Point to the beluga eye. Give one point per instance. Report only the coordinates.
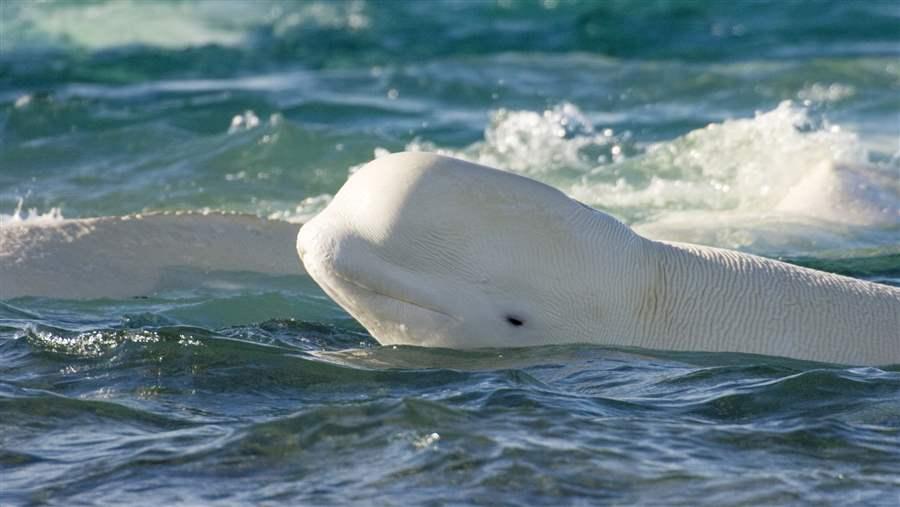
(515, 321)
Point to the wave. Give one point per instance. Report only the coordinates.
(565, 415)
(171, 25)
(623, 29)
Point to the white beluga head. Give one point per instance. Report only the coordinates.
(429, 250)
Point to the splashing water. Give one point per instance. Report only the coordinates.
(32, 216)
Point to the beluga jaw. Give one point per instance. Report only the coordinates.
(429, 250)
(371, 290)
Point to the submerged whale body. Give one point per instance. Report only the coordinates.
(120, 257)
(428, 250)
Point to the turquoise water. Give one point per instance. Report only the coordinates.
(770, 127)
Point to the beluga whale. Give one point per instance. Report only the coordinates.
(434, 251)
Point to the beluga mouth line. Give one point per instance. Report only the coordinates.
(514, 262)
(389, 296)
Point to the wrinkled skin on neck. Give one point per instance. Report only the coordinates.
(429, 250)
(721, 300)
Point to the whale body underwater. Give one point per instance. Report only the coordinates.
(429, 250)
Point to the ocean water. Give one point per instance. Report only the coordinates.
(772, 127)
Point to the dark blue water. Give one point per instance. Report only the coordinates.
(767, 126)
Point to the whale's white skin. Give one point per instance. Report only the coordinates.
(845, 194)
(429, 250)
(118, 257)
(832, 205)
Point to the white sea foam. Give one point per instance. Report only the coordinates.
(539, 144)
(308, 208)
(30, 216)
(818, 93)
(743, 164)
(246, 121)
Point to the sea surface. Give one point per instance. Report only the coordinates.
(772, 127)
